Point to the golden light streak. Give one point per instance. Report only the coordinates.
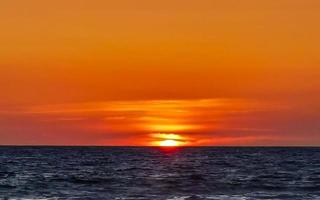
(168, 139)
(170, 136)
(169, 143)
(169, 127)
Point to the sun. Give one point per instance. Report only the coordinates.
(169, 143)
(168, 140)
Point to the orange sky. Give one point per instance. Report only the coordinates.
(100, 72)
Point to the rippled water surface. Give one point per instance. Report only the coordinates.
(155, 173)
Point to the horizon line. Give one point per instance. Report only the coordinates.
(137, 146)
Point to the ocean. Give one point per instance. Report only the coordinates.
(152, 173)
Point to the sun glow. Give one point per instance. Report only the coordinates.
(169, 143)
(168, 139)
(168, 136)
(170, 127)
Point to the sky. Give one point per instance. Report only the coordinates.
(124, 72)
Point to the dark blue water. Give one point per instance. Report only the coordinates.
(154, 173)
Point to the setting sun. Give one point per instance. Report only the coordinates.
(169, 143)
(168, 139)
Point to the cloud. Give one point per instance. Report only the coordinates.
(198, 122)
(190, 118)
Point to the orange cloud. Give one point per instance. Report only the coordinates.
(187, 122)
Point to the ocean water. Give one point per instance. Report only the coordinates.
(159, 174)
